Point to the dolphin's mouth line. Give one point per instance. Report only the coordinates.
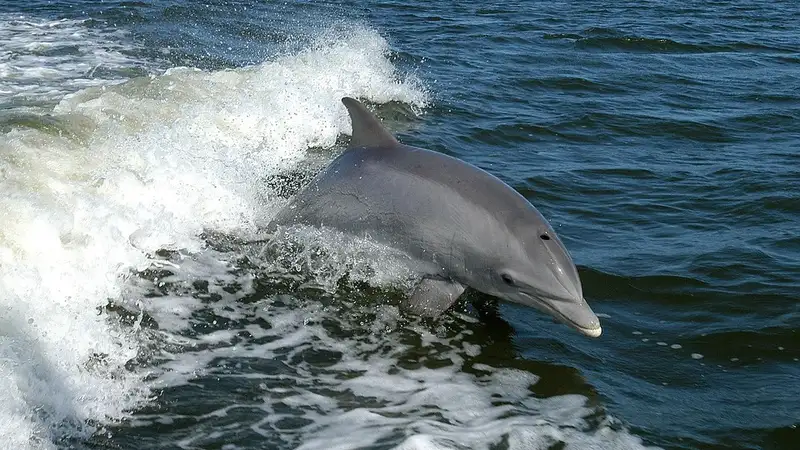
(543, 305)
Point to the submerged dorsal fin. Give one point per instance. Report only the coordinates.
(367, 130)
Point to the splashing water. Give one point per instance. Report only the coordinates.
(116, 173)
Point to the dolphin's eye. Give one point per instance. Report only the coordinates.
(507, 279)
(545, 237)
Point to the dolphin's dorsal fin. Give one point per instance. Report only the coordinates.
(367, 130)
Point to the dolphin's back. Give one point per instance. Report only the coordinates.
(412, 199)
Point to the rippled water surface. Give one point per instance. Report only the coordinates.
(145, 144)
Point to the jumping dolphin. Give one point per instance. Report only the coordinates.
(460, 225)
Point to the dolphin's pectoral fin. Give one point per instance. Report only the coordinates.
(433, 296)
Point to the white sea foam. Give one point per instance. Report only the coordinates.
(42, 60)
(121, 171)
(363, 393)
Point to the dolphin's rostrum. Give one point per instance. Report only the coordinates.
(460, 225)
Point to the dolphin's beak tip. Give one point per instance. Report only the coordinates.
(593, 332)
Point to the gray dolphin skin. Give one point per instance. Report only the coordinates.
(459, 225)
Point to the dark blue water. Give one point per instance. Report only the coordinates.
(660, 138)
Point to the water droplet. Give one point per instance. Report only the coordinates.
(637, 333)
(697, 356)
(675, 346)
(661, 343)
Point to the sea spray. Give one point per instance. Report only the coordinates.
(116, 173)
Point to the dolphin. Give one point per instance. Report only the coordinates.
(460, 225)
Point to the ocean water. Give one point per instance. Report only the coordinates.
(146, 143)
